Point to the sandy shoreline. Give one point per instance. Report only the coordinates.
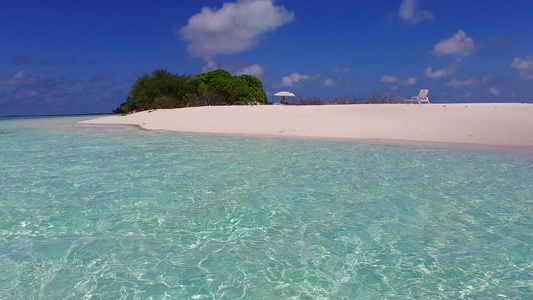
(492, 124)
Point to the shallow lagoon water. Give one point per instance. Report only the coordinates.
(93, 212)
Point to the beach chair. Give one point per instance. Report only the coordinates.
(421, 98)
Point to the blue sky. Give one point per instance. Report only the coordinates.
(62, 57)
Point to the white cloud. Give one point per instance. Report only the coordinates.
(293, 79)
(524, 66)
(233, 28)
(455, 82)
(235, 68)
(494, 91)
(459, 44)
(438, 73)
(329, 82)
(389, 78)
(409, 81)
(18, 79)
(445, 71)
(254, 70)
(410, 13)
(523, 63)
(393, 79)
(210, 66)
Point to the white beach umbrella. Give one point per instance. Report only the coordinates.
(284, 94)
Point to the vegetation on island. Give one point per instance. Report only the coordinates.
(161, 89)
(373, 98)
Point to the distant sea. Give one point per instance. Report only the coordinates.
(96, 212)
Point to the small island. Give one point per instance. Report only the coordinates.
(217, 102)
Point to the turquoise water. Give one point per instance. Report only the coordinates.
(89, 212)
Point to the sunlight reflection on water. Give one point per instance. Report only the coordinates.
(115, 212)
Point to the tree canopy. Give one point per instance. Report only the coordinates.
(161, 89)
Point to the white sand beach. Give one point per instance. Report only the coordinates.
(495, 124)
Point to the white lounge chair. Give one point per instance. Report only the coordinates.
(421, 98)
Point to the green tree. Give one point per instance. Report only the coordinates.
(244, 89)
(161, 89)
(257, 93)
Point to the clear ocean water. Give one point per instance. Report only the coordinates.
(92, 212)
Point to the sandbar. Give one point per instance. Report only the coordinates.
(493, 124)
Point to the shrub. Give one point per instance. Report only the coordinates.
(384, 98)
(328, 100)
(308, 101)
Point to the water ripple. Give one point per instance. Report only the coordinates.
(115, 213)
